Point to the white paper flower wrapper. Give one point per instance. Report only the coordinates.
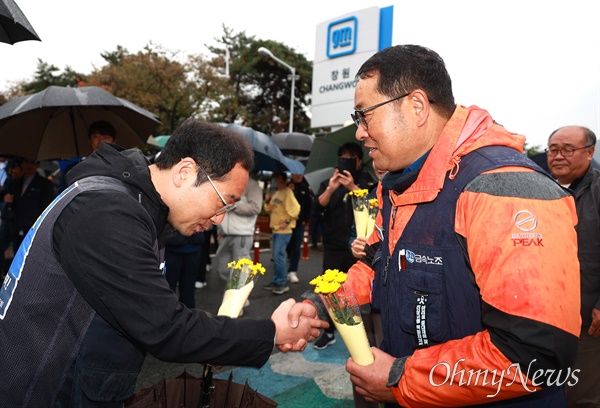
(234, 299)
(356, 341)
(361, 221)
(354, 335)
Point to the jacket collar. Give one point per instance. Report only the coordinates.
(468, 129)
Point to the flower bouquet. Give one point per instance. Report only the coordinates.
(242, 275)
(343, 309)
(360, 206)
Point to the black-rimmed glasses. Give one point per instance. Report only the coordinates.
(226, 207)
(565, 151)
(359, 115)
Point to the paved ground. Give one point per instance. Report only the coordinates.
(313, 378)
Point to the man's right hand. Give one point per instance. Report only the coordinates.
(305, 325)
(334, 181)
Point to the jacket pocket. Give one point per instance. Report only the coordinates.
(423, 307)
(107, 386)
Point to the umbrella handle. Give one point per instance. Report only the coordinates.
(207, 386)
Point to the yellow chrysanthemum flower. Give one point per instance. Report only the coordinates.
(255, 268)
(359, 193)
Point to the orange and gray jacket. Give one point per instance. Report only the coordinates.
(475, 272)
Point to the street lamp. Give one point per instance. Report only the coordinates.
(267, 53)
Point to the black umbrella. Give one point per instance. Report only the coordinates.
(53, 123)
(14, 26)
(294, 144)
(187, 391)
(267, 156)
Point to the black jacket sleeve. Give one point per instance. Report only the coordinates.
(106, 244)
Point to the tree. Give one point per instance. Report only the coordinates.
(256, 92)
(532, 150)
(15, 90)
(259, 88)
(215, 98)
(47, 75)
(152, 79)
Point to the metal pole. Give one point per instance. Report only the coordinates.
(266, 52)
(292, 99)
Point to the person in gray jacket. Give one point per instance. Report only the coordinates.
(237, 229)
(570, 152)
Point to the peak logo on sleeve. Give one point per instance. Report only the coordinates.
(526, 221)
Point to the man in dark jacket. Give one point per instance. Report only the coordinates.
(338, 217)
(85, 298)
(570, 154)
(30, 196)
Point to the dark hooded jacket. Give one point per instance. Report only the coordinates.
(106, 242)
(587, 200)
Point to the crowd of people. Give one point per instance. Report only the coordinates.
(480, 261)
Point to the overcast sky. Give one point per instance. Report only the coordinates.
(534, 65)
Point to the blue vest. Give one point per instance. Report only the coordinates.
(425, 289)
(53, 327)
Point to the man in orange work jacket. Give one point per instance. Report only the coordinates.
(474, 264)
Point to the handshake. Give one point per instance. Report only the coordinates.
(296, 325)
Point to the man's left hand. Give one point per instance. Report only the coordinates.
(370, 381)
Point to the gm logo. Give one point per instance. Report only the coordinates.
(341, 37)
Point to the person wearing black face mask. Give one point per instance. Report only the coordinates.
(338, 217)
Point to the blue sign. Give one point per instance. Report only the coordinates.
(341, 37)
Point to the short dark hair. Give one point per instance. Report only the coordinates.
(405, 68)
(353, 149)
(214, 147)
(14, 162)
(102, 127)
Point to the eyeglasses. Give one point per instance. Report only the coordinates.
(226, 207)
(565, 151)
(359, 115)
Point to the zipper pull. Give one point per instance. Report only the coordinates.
(394, 210)
(385, 270)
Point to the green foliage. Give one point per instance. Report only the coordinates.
(533, 150)
(47, 75)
